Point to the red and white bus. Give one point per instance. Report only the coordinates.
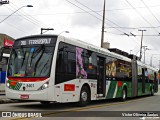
(53, 68)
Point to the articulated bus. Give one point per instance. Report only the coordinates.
(53, 68)
(3, 66)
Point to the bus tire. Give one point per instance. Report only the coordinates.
(124, 94)
(152, 91)
(45, 102)
(84, 96)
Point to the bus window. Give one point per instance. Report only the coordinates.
(66, 63)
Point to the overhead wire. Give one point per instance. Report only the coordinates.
(21, 15)
(15, 26)
(30, 18)
(124, 33)
(96, 13)
(92, 14)
(141, 15)
(150, 11)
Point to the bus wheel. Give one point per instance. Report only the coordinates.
(124, 94)
(152, 91)
(45, 102)
(84, 96)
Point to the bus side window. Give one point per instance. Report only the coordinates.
(66, 63)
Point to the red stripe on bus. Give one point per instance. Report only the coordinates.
(27, 79)
(69, 87)
(13, 83)
(120, 84)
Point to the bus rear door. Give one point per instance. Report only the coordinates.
(134, 78)
(143, 80)
(101, 84)
(155, 82)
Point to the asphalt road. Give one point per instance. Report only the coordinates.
(96, 110)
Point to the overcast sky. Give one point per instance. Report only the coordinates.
(83, 19)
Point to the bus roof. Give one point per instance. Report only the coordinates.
(87, 46)
(39, 35)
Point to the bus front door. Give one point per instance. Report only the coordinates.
(101, 84)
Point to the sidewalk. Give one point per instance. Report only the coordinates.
(4, 99)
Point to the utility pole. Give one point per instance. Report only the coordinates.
(141, 44)
(46, 29)
(2, 2)
(151, 60)
(103, 22)
(145, 48)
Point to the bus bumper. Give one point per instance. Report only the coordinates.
(40, 95)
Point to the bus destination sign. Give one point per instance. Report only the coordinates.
(35, 41)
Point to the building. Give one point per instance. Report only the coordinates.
(6, 40)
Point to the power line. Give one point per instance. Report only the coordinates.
(134, 35)
(150, 11)
(21, 15)
(30, 18)
(141, 15)
(135, 27)
(97, 13)
(92, 14)
(117, 9)
(96, 16)
(15, 27)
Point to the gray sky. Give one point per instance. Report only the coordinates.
(83, 19)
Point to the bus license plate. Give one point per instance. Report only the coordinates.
(24, 96)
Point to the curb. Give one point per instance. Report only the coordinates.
(3, 101)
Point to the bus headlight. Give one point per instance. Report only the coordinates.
(44, 86)
(8, 85)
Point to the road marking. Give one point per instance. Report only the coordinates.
(92, 107)
(84, 108)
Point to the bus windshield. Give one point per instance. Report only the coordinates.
(31, 60)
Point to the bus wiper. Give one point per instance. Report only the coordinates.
(36, 64)
(23, 55)
(23, 59)
(44, 65)
(35, 53)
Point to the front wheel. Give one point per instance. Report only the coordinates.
(84, 96)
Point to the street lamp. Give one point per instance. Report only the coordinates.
(15, 12)
(63, 32)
